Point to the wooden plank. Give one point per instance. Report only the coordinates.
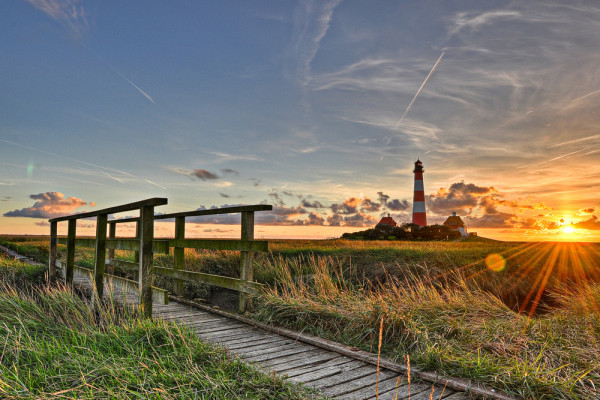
(222, 210)
(265, 358)
(159, 295)
(387, 390)
(214, 327)
(226, 337)
(251, 336)
(310, 359)
(100, 254)
(72, 228)
(52, 256)
(357, 383)
(342, 378)
(253, 288)
(146, 259)
(221, 244)
(403, 390)
(256, 341)
(117, 209)
(124, 265)
(264, 348)
(133, 244)
(220, 329)
(309, 351)
(317, 371)
(246, 260)
(179, 254)
(112, 234)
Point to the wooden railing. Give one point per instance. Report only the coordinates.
(144, 246)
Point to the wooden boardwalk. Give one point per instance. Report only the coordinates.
(333, 374)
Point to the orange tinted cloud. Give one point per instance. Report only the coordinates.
(49, 205)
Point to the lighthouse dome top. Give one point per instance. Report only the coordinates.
(418, 166)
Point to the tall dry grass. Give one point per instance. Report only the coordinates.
(453, 327)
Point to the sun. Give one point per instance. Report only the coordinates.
(568, 229)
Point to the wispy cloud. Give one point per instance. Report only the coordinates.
(69, 12)
(311, 24)
(474, 21)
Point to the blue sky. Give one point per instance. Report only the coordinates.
(300, 104)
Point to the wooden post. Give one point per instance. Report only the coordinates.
(52, 260)
(146, 258)
(179, 254)
(100, 256)
(246, 258)
(112, 233)
(71, 233)
(136, 254)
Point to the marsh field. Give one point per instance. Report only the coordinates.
(521, 317)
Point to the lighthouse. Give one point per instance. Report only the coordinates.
(419, 214)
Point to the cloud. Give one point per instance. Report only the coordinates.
(587, 211)
(42, 223)
(314, 204)
(201, 174)
(230, 171)
(314, 219)
(474, 21)
(349, 206)
(495, 220)
(49, 205)
(355, 220)
(459, 196)
(591, 224)
(394, 204)
(69, 12)
(226, 196)
(311, 23)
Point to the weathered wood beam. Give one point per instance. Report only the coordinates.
(221, 244)
(71, 234)
(223, 210)
(100, 254)
(153, 202)
(146, 259)
(179, 254)
(246, 259)
(53, 245)
(251, 288)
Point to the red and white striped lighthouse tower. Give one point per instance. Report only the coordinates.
(419, 215)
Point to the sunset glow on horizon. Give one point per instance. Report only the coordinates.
(320, 108)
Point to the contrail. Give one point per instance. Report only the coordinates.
(554, 159)
(146, 95)
(116, 71)
(420, 89)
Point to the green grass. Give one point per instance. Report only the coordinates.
(54, 345)
(530, 327)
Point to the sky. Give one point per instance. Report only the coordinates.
(319, 108)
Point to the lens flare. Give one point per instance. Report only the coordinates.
(495, 262)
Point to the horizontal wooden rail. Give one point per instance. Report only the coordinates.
(158, 246)
(156, 201)
(213, 211)
(196, 213)
(162, 245)
(240, 285)
(125, 265)
(159, 295)
(221, 244)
